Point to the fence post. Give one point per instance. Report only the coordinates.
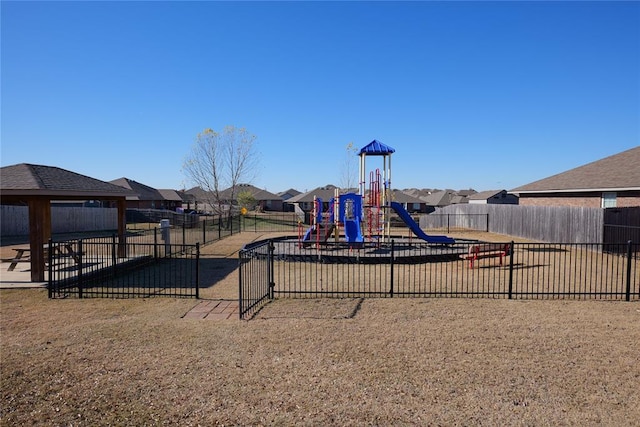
(80, 262)
(113, 249)
(197, 270)
(391, 264)
(240, 293)
(487, 222)
(50, 259)
(628, 293)
(510, 269)
(184, 235)
(204, 230)
(155, 243)
(219, 226)
(270, 266)
(448, 222)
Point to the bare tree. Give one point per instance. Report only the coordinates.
(349, 169)
(219, 162)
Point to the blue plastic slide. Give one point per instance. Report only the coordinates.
(352, 231)
(404, 215)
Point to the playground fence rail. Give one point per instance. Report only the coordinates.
(282, 269)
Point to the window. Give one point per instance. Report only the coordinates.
(608, 200)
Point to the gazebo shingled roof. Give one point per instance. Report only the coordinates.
(37, 185)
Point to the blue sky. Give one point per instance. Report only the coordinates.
(482, 95)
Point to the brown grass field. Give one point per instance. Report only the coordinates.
(417, 361)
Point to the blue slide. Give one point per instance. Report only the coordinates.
(404, 215)
(352, 231)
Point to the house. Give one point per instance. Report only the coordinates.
(143, 196)
(493, 197)
(172, 199)
(265, 200)
(286, 195)
(607, 183)
(412, 204)
(205, 201)
(188, 201)
(443, 198)
(305, 200)
(198, 199)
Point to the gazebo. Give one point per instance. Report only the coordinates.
(36, 186)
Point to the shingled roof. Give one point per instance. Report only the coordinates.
(256, 192)
(142, 192)
(614, 173)
(37, 180)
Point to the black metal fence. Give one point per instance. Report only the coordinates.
(136, 216)
(289, 222)
(271, 222)
(206, 230)
(117, 268)
(282, 268)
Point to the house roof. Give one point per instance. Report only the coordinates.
(185, 196)
(459, 199)
(142, 192)
(26, 179)
(467, 193)
(376, 148)
(326, 193)
(403, 197)
(290, 193)
(256, 192)
(420, 193)
(199, 194)
(440, 198)
(617, 172)
(170, 195)
(485, 195)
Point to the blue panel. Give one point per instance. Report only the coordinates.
(376, 148)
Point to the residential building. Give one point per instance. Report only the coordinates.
(610, 182)
(493, 197)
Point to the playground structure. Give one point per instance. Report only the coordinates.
(364, 213)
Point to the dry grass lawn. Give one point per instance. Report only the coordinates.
(317, 362)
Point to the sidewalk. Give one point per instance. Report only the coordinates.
(214, 310)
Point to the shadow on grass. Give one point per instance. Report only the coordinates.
(214, 270)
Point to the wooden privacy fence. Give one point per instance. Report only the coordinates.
(544, 223)
(15, 220)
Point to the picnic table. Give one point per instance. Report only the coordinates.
(18, 257)
(24, 254)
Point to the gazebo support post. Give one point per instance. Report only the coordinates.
(39, 234)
